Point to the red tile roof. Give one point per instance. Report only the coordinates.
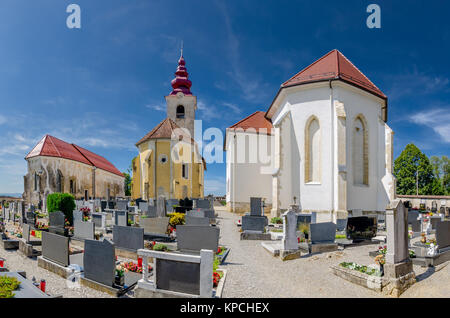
(53, 147)
(334, 65)
(163, 130)
(257, 120)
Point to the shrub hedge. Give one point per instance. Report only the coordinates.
(63, 202)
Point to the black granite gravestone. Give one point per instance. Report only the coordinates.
(99, 261)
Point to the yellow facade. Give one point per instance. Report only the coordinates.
(158, 171)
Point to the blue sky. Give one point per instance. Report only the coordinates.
(102, 87)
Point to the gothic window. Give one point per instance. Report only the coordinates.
(359, 152)
(312, 150)
(185, 171)
(36, 181)
(72, 186)
(180, 111)
(59, 182)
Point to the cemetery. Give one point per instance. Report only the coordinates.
(120, 249)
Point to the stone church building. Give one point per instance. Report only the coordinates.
(57, 166)
(330, 145)
(169, 163)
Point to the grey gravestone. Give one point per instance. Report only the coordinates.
(434, 221)
(121, 218)
(195, 213)
(26, 232)
(341, 224)
(151, 211)
(155, 226)
(416, 226)
(203, 204)
(190, 220)
(161, 207)
(303, 219)
(323, 232)
(84, 230)
(99, 261)
(121, 205)
(412, 216)
(55, 248)
(99, 219)
(196, 238)
(56, 219)
(256, 207)
(77, 216)
(290, 240)
(127, 237)
(253, 223)
(143, 206)
(176, 276)
(443, 234)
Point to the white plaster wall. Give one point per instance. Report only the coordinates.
(248, 179)
(355, 102)
(302, 105)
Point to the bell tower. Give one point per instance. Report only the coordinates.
(181, 103)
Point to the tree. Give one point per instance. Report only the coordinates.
(127, 182)
(406, 167)
(441, 169)
(63, 202)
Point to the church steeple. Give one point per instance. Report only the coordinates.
(181, 83)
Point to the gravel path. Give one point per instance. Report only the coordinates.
(55, 285)
(254, 272)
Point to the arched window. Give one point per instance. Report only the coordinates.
(360, 148)
(312, 150)
(59, 182)
(180, 111)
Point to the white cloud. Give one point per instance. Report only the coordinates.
(438, 119)
(2, 120)
(156, 107)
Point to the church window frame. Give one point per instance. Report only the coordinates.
(180, 112)
(365, 151)
(310, 157)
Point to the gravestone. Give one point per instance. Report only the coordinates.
(121, 205)
(413, 215)
(55, 248)
(253, 223)
(127, 237)
(151, 211)
(99, 261)
(434, 220)
(341, 224)
(361, 228)
(323, 233)
(26, 232)
(121, 218)
(103, 205)
(56, 219)
(196, 237)
(155, 226)
(416, 226)
(203, 204)
(77, 216)
(161, 207)
(433, 206)
(99, 219)
(182, 277)
(303, 219)
(290, 240)
(256, 207)
(190, 220)
(84, 230)
(143, 206)
(443, 234)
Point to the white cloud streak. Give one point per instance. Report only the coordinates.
(437, 119)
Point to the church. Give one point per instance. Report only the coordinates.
(329, 144)
(58, 166)
(169, 163)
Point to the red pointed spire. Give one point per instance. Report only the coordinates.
(181, 83)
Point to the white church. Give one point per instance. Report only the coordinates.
(329, 149)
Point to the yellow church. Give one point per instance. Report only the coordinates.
(169, 163)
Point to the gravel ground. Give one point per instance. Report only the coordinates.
(55, 285)
(254, 272)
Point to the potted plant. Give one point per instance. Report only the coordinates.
(380, 260)
(120, 275)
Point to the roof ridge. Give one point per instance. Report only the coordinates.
(76, 147)
(53, 144)
(357, 70)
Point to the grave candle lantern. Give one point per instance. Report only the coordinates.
(42, 285)
(2, 262)
(139, 261)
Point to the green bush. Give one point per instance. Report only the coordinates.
(160, 247)
(176, 218)
(276, 220)
(63, 202)
(7, 286)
